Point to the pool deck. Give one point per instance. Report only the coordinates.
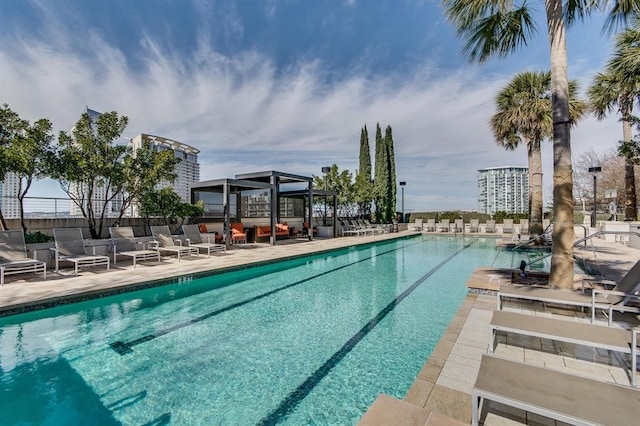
(441, 393)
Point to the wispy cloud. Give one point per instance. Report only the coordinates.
(245, 115)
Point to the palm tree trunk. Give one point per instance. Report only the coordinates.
(535, 179)
(630, 203)
(561, 274)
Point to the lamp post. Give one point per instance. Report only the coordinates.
(402, 184)
(595, 170)
(325, 170)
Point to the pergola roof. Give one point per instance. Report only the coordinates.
(234, 185)
(282, 177)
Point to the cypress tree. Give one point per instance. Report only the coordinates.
(381, 178)
(363, 177)
(392, 191)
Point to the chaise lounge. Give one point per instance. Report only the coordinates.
(194, 239)
(553, 394)
(13, 256)
(163, 241)
(70, 247)
(124, 244)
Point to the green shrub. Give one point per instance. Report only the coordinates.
(36, 237)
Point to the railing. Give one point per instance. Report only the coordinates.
(56, 208)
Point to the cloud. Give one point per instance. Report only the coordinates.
(245, 114)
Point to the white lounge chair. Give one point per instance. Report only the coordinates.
(70, 247)
(443, 225)
(430, 226)
(417, 225)
(13, 256)
(524, 226)
(507, 226)
(163, 241)
(550, 393)
(598, 336)
(194, 239)
(474, 225)
(618, 299)
(124, 243)
(458, 225)
(491, 226)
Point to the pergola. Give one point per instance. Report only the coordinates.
(268, 180)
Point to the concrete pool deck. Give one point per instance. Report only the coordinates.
(441, 393)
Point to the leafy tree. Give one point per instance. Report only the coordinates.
(87, 159)
(341, 182)
(167, 205)
(497, 28)
(523, 115)
(24, 150)
(618, 87)
(392, 190)
(364, 188)
(381, 178)
(143, 170)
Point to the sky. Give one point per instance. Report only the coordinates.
(287, 85)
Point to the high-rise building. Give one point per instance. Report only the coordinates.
(9, 196)
(503, 189)
(187, 171)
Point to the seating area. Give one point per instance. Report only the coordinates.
(13, 256)
(70, 247)
(163, 241)
(264, 232)
(124, 244)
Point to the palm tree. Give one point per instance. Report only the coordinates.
(499, 27)
(616, 89)
(523, 115)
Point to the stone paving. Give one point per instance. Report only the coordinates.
(444, 384)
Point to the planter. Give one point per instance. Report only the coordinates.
(325, 231)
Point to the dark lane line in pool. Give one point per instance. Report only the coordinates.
(301, 392)
(126, 347)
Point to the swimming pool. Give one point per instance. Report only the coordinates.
(305, 341)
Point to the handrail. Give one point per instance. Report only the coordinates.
(585, 239)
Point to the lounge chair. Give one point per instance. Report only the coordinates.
(443, 225)
(13, 256)
(430, 226)
(618, 299)
(194, 239)
(507, 226)
(491, 226)
(474, 225)
(458, 225)
(238, 234)
(378, 229)
(417, 225)
(524, 226)
(598, 336)
(163, 241)
(70, 247)
(124, 243)
(553, 394)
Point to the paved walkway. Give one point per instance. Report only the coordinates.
(444, 384)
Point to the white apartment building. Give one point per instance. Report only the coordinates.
(187, 171)
(503, 189)
(9, 196)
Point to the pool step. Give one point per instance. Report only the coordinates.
(389, 411)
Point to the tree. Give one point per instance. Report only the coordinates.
(617, 88)
(381, 178)
(88, 159)
(167, 205)
(523, 115)
(497, 28)
(143, 170)
(342, 183)
(364, 189)
(392, 190)
(24, 148)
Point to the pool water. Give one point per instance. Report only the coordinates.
(306, 341)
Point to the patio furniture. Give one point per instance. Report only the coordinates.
(70, 247)
(194, 239)
(507, 226)
(443, 225)
(458, 225)
(430, 226)
(474, 225)
(524, 226)
(238, 233)
(13, 256)
(553, 394)
(124, 243)
(164, 241)
(597, 336)
(491, 226)
(417, 225)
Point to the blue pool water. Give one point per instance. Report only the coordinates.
(306, 341)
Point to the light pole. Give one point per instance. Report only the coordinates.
(595, 170)
(325, 170)
(402, 184)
